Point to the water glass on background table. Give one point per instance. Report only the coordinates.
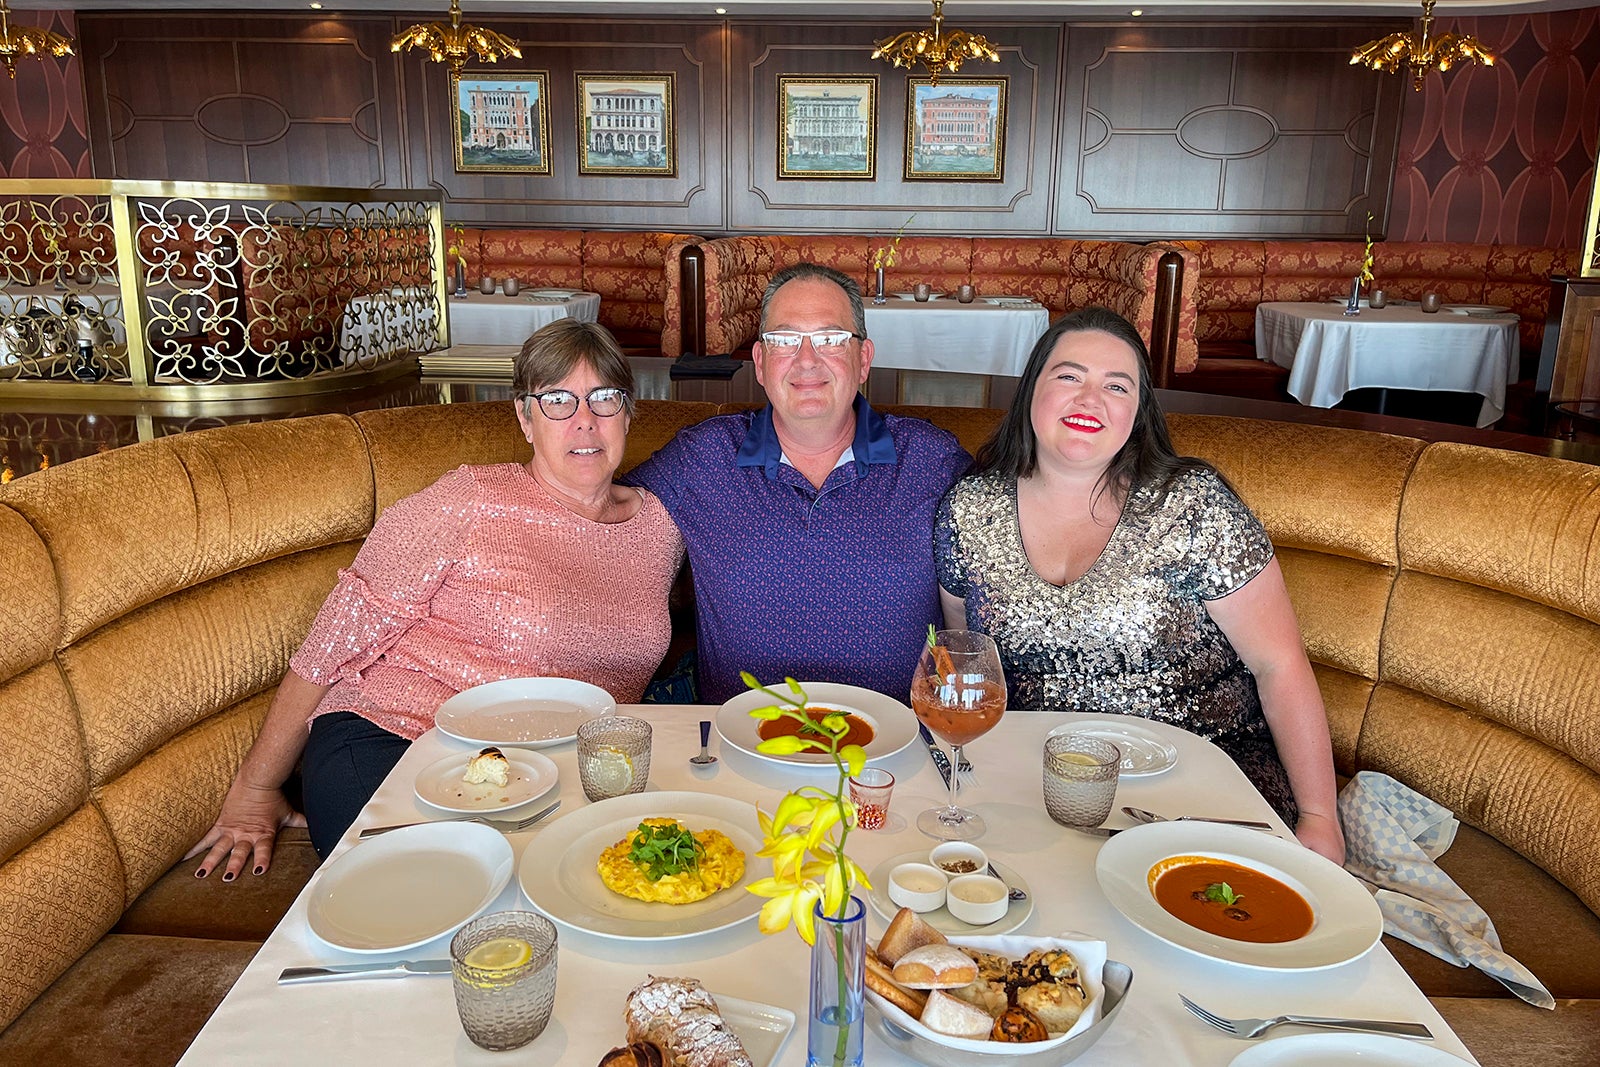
(504, 971)
(613, 756)
(869, 792)
(1080, 779)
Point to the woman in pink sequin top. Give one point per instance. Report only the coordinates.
(540, 569)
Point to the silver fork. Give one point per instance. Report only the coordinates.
(505, 826)
(1248, 1028)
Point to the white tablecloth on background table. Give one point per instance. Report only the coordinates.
(413, 1020)
(1329, 353)
(474, 320)
(975, 338)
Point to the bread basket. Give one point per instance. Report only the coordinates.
(909, 1037)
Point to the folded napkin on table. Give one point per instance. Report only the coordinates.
(1393, 835)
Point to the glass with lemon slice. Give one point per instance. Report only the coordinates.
(613, 756)
(504, 968)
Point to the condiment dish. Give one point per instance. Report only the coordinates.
(956, 858)
(918, 886)
(977, 899)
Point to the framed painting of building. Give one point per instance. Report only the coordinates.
(827, 127)
(626, 124)
(956, 130)
(502, 122)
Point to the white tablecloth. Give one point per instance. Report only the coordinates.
(413, 1020)
(380, 325)
(1329, 353)
(975, 338)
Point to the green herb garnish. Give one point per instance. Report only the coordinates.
(1222, 893)
(665, 850)
(933, 635)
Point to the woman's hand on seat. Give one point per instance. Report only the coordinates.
(1322, 835)
(244, 831)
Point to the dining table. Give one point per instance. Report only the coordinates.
(413, 1019)
(405, 320)
(990, 335)
(1459, 348)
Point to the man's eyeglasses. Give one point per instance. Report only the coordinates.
(823, 342)
(558, 405)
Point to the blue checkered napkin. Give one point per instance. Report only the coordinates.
(1392, 836)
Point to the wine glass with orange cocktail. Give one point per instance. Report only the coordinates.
(959, 692)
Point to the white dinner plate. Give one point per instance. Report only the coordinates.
(762, 1028)
(533, 712)
(893, 724)
(1476, 309)
(442, 784)
(559, 874)
(1345, 919)
(1144, 752)
(552, 294)
(408, 887)
(941, 919)
(1344, 1050)
(1011, 301)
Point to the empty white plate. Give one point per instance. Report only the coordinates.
(533, 712)
(408, 887)
(552, 294)
(1344, 1050)
(443, 785)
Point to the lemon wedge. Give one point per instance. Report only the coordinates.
(500, 954)
(610, 771)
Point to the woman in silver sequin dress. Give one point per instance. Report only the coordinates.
(1117, 577)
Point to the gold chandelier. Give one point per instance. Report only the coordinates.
(28, 41)
(1421, 51)
(939, 51)
(456, 43)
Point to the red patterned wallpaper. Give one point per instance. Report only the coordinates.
(1504, 154)
(43, 133)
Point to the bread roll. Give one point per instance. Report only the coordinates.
(936, 967)
(1018, 1024)
(1057, 1005)
(907, 931)
(957, 1018)
(880, 979)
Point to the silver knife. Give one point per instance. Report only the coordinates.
(338, 972)
(940, 760)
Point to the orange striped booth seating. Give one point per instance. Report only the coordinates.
(1060, 273)
(635, 273)
(1231, 277)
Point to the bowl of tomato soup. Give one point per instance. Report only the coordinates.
(860, 729)
(1230, 899)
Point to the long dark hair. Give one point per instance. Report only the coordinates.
(1146, 459)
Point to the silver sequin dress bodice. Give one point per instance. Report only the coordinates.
(1132, 635)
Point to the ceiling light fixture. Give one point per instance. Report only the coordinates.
(1421, 51)
(28, 41)
(940, 51)
(456, 43)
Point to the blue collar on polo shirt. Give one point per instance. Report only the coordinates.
(872, 443)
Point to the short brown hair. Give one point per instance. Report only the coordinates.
(556, 350)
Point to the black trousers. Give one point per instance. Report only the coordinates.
(345, 761)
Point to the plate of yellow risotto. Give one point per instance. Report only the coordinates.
(647, 866)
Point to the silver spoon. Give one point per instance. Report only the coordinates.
(1012, 892)
(705, 759)
(1149, 816)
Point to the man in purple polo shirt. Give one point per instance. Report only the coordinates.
(809, 523)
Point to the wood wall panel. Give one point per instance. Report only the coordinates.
(761, 51)
(1193, 130)
(690, 202)
(269, 99)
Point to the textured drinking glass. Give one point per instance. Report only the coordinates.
(613, 756)
(1430, 302)
(964, 294)
(510, 287)
(922, 292)
(505, 1007)
(1378, 299)
(869, 792)
(1080, 778)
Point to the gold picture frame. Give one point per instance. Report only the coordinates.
(827, 128)
(956, 130)
(501, 122)
(627, 123)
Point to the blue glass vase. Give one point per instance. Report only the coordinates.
(838, 968)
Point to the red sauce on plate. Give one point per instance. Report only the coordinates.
(1265, 912)
(858, 731)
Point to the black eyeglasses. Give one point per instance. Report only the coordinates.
(558, 405)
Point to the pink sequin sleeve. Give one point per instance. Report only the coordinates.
(389, 585)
